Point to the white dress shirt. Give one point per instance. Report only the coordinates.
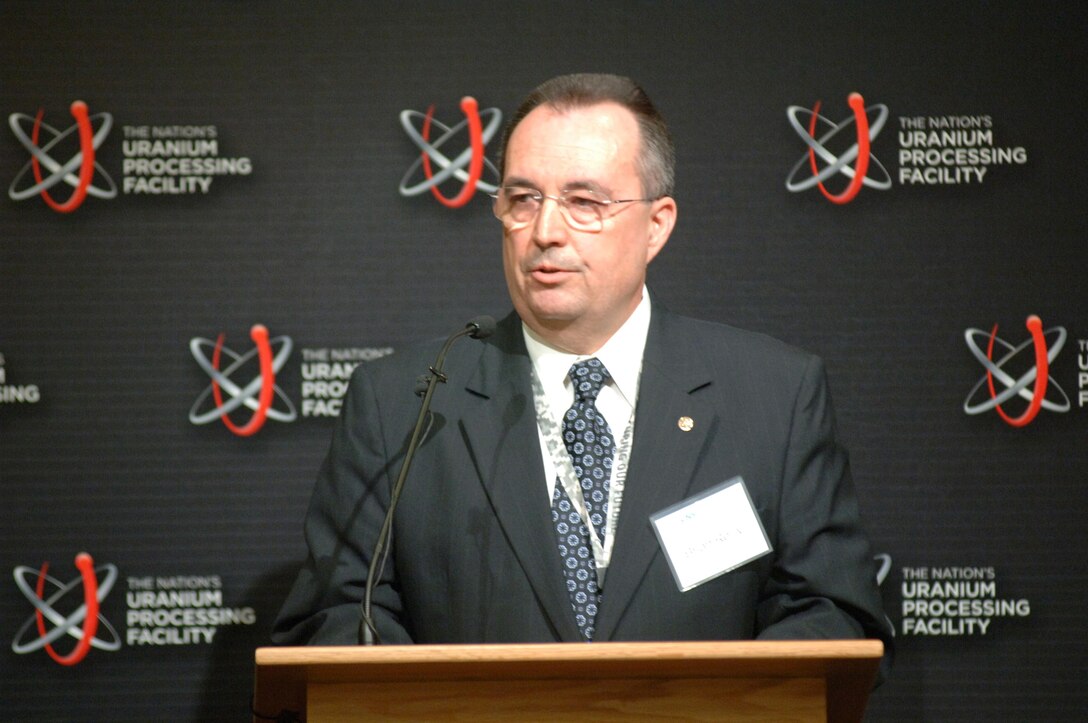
(621, 355)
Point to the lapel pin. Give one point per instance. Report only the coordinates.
(685, 424)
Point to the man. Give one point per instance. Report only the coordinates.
(517, 527)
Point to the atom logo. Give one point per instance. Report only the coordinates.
(77, 172)
(467, 167)
(1037, 377)
(258, 394)
(858, 174)
(86, 615)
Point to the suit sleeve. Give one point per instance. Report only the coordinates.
(823, 583)
(345, 514)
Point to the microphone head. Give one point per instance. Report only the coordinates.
(481, 327)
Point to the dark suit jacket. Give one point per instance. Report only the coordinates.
(474, 554)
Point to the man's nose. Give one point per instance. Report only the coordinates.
(549, 227)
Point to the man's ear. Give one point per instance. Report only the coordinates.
(662, 220)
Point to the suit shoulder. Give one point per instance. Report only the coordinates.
(716, 340)
(398, 368)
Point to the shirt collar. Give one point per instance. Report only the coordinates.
(621, 354)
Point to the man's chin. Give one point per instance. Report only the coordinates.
(554, 314)
(553, 304)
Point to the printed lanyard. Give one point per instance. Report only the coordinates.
(551, 431)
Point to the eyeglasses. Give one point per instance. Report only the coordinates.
(583, 209)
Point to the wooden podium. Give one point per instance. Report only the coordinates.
(701, 681)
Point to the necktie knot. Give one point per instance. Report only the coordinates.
(588, 377)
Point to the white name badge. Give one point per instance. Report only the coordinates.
(710, 534)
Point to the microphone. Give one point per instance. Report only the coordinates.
(479, 327)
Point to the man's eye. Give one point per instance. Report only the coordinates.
(580, 201)
(522, 198)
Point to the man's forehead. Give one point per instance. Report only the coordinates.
(598, 137)
(608, 119)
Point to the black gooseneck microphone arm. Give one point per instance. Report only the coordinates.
(480, 327)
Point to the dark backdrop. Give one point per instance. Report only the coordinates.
(98, 306)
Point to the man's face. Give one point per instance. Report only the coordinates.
(576, 288)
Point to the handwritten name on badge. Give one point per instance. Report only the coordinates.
(710, 534)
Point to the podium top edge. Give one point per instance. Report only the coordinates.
(540, 652)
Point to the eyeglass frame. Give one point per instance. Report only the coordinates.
(564, 208)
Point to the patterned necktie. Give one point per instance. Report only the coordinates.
(591, 447)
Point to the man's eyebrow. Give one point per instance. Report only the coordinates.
(577, 185)
(585, 186)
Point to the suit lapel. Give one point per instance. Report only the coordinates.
(501, 433)
(664, 458)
